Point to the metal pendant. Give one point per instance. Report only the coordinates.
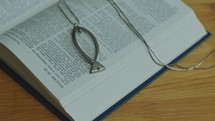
(95, 65)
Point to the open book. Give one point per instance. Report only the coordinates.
(36, 43)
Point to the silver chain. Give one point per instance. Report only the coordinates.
(63, 2)
(151, 52)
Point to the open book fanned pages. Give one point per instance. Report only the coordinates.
(36, 43)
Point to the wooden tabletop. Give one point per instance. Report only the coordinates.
(174, 96)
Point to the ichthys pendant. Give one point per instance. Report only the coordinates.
(95, 65)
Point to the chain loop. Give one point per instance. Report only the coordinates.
(151, 52)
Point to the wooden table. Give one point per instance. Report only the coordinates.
(173, 97)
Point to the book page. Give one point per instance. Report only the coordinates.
(44, 44)
(12, 12)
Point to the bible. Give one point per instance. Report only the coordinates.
(37, 50)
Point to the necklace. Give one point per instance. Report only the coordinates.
(95, 65)
(151, 52)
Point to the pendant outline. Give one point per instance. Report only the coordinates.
(95, 65)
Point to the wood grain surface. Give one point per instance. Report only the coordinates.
(174, 96)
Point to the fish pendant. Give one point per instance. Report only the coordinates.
(95, 65)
